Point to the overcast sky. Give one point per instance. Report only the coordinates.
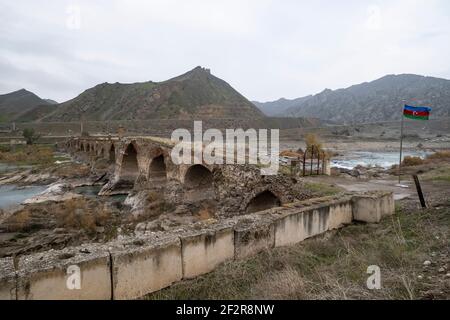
(264, 49)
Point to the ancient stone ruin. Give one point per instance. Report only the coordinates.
(252, 213)
(138, 165)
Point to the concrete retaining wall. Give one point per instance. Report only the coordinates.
(134, 267)
(145, 266)
(253, 235)
(45, 276)
(372, 207)
(300, 223)
(202, 251)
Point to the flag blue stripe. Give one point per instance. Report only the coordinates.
(418, 109)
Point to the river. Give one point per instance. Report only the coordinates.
(367, 158)
(11, 195)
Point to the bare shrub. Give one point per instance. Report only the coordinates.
(409, 161)
(439, 155)
(312, 140)
(19, 221)
(78, 214)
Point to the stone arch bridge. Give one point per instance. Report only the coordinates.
(143, 164)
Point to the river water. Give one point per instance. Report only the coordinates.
(11, 195)
(367, 158)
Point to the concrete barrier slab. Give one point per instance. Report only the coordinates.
(310, 218)
(341, 214)
(315, 221)
(203, 250)
(145, 267)
(252, 235)
(289, 228)
(387, 203)
(78, 273)
(371, 207)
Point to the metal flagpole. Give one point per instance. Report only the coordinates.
(401, 148)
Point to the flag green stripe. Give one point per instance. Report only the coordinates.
(416, 117)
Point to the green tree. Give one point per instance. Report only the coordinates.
(30, 136)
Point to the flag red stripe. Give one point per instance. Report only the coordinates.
(417, 113)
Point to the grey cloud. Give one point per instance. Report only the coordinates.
(265, 49)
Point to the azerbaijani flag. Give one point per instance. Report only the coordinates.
(417, 113)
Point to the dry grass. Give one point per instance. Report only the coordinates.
(410, 161)
(442, 173)
(434, 158)
(154, 206)
(19, 222)
(81, 214)
(318, 189)
(335, 266)
(76, 214)
(35, 154)
(439, 155)
(285, 284)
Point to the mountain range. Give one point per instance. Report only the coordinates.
(198, 94)
(379, 100)
(22, 105)
(279, 107)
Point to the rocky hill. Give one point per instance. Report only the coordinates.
(278, 107)
(196, 94)
(36, 113)
(15, 104)
(379, 100)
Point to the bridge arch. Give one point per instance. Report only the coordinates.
(198, 182)
(112, 153)
(263, 201)
(129, 170)
(198, 176)
(157, 171)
